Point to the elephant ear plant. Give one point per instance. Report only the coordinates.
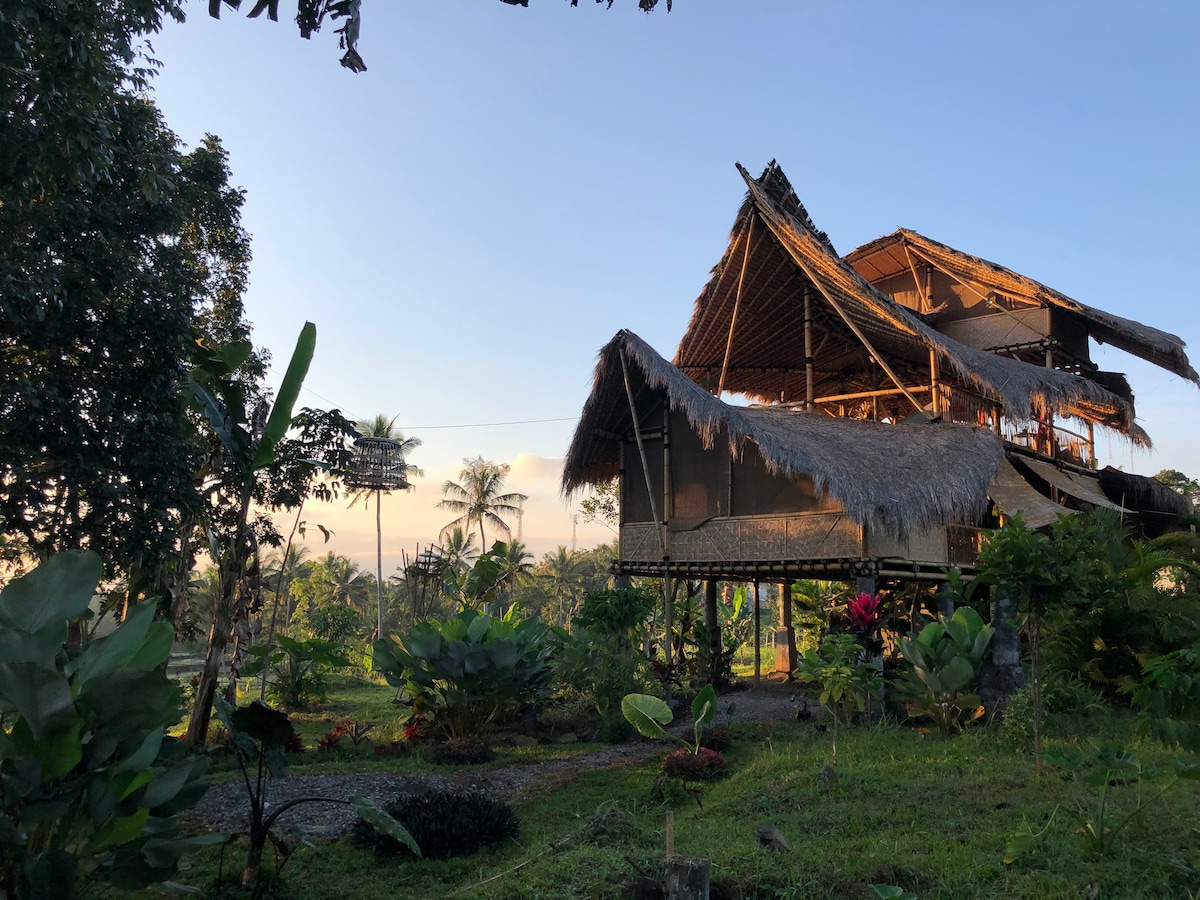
(943, 659)
(649, 715)
(261, 735)
(89, 782)
(468, 669)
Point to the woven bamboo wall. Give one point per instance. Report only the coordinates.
(814, 536)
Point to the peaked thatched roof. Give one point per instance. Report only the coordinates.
(1159, 347)
(787, 256)
(896, 478)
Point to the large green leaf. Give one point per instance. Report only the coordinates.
(478, 629)
(271, 727)
(503, 653)
(285, 400)
(59, 589)
(704, 706)
(233, 437)
(424, 641)
(139, 643)
(384, 823)
(956, 675)
(647, 714)
(41, 696)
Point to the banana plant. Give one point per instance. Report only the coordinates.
(942, 661)
(244, 445)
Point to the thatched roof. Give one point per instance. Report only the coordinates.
(787, 256)
(885, 256)
(1147, 496)
(896, 478)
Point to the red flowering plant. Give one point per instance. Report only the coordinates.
(865, 621)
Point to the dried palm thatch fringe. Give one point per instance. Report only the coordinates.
(1143, 494)
(1159, 347)
(774, 293)
(896, 478)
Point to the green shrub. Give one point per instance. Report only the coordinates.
(577, 715)
(844, 680)
(444, 824)
(940, 663)
(1016, 723)
(469, 669)
(297, 669)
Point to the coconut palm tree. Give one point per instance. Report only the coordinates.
(516, 561)
(477, 497)
(383, 427)
(561, 568)
(459, 551)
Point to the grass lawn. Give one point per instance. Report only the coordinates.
(928, 814)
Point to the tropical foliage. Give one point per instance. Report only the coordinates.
(467, 670)
(91, 783)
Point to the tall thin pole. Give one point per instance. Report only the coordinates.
(378, 563)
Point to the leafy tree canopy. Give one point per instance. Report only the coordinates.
(311, 14)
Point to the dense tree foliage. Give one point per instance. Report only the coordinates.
(105, 285)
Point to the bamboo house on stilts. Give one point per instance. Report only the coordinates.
(901, 400)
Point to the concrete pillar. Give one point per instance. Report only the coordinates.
(785, 635)
(1003, 675)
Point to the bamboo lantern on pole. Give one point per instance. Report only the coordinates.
(378, 465)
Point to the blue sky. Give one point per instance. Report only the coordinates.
(472, 218)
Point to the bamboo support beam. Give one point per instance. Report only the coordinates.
(935, 386)
(857, 332)
(737, 302)
(922, 295)
(866, 395)
(637, 433)
(808, 349)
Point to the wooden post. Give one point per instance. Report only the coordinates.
(666, 539)
(935, 384)
(1051, 443)
(785, 635)
(686, 878)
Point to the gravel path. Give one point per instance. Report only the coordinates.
(224, 807)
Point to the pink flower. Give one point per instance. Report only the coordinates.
(863, 611)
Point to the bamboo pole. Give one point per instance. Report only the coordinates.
(756, 190)
(637, 434)
(808, 350)
(923, 295)
(857, 331)
(737, 302)
(935, 382)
